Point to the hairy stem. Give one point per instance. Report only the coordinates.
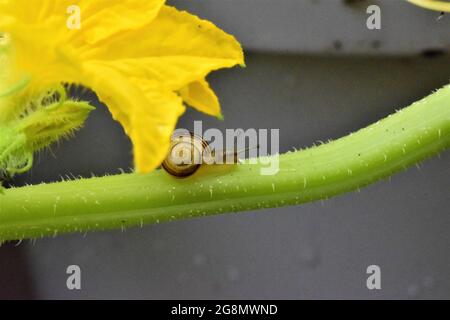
(125, 200)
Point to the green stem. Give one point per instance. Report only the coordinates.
(125, 200)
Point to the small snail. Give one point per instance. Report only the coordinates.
(188, 152)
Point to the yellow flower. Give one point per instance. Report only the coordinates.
(142, 58)
(437, 5)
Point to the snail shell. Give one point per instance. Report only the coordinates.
(186, 153)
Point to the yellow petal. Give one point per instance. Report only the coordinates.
(36, 45)
(147, 111)
(34, 11)
(103, 18)
(153, 127)
(39, 28)
(436, 5)
(174, 72)
(177, 48)
(199, 95)
(99, 18)
(171, 33)
(114, 90)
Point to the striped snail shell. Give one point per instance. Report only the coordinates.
(186, 153)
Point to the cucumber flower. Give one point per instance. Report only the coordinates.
(437, 5)
(142, 58)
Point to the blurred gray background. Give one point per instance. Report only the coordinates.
(315, 72)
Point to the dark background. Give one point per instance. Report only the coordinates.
(316, 74)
